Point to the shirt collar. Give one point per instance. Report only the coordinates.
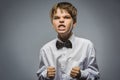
(72, 37)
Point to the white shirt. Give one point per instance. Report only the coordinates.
(81, 54)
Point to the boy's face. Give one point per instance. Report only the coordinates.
(62, 22)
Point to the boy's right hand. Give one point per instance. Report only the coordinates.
(51, 72)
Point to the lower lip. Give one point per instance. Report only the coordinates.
(61, 29)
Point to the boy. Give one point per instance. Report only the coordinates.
(67, 57)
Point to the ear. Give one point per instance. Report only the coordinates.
(74, 24)
(51, 21)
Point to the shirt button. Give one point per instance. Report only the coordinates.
(63, 54)
(69, 59)
(62, 66)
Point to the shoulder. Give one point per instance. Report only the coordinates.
(49, 44)
(84, 41)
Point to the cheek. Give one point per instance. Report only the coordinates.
(69, 24)
(55, 23)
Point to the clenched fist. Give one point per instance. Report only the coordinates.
(51, 72)
(75, 72)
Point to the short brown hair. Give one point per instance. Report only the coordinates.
(65, 6)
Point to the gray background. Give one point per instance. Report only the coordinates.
(25, 27)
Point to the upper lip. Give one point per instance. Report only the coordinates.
(61, 25)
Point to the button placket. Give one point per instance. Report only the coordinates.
(65, 52)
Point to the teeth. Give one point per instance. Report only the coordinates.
(61, 26)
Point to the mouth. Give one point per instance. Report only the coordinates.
(61, 27)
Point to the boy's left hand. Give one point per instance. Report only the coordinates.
(75, 72)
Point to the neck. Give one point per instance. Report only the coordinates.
(64, 37)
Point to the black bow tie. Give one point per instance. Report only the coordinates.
(66, 44)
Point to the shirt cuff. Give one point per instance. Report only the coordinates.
(84, 74)
(70, 78)
(44, 74)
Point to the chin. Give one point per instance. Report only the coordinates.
(61, 32)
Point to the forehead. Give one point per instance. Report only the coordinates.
(61, 11)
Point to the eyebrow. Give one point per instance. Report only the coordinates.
(64, 15)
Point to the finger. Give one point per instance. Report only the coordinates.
(73, 75)
(51, 73)
(51, 67)
(76, 68)
(51, 70)
(75, 72)
(51, 76)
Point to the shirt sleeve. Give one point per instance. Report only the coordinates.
(91, 72)
(42, 71)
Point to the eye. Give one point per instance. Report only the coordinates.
(67, 17)
(55, 17)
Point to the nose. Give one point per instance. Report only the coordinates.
(61, 20)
